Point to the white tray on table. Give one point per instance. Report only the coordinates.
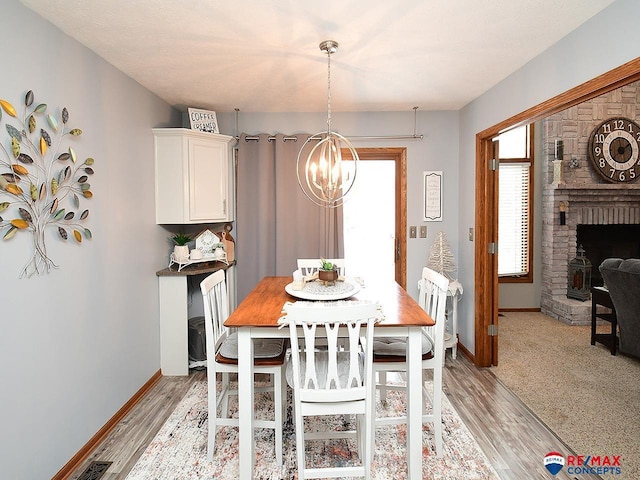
(316, 290)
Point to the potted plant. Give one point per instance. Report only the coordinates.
(181, 247)
(218, 251)
(328, 272)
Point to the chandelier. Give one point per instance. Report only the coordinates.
(325, 178)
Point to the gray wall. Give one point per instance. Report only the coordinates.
(580, 56)
(77, 343)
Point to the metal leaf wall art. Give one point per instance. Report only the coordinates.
(41, 181)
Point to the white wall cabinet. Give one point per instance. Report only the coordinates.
(194, 176)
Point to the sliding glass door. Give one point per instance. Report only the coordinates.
(370, 221)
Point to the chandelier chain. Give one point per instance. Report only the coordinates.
(329, 91)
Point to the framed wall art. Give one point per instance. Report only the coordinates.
(432, 182)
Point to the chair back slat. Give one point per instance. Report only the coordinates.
(355, 377)
(309, 265)
(333, 380)
(433, 299)
(310, 376)
(216, 308)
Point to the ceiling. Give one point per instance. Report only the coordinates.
(263, 55)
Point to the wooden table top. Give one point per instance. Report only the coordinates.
(263, 306)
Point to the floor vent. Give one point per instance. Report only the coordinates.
(94, 471)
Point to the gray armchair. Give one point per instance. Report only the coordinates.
(622, 278)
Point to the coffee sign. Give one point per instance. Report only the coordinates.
(203, 120)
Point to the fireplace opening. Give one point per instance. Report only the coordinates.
(605, 241)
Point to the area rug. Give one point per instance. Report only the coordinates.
(179, 450)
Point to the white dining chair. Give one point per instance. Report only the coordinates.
(332, 381)
(222, 358)
(389, 355)
(310, 265)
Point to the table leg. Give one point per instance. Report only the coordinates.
(414, 403)
(245, 404)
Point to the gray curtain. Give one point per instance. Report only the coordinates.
(276, 223)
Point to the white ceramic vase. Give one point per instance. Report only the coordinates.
(181, 253)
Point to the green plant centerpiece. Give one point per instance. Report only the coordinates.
(328, 272)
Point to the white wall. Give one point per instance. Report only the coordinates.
(77, 343)
(583, 54)
(437, 151)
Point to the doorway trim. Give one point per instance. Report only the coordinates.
(485, 276)
(399, 156)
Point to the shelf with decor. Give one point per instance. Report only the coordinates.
(181, 263)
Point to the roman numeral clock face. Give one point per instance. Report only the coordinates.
(614, 149)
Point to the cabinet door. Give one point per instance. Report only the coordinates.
(208, 180)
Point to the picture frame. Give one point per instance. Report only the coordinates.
(432, 182)
(203, 120)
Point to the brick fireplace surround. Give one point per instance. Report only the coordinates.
(589, 199)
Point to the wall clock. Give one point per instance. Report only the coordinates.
(614, 148)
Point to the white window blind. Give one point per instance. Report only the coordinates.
(513, 221)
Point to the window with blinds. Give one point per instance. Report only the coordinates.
(514, 205)
(513, 208)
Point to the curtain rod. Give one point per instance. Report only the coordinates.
(370, 137)
(415, 135)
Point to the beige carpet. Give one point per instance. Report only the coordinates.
(588, 397)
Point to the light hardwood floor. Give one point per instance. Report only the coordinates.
(513, 439)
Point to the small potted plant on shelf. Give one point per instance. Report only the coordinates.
(218, 251)
(181, 247)
(328, 272)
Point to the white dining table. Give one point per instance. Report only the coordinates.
(257, 317)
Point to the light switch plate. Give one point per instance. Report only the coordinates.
(412, 231)
(423, 231)
(471, 234)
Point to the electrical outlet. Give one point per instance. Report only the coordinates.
(412, 232)
(423, 231)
